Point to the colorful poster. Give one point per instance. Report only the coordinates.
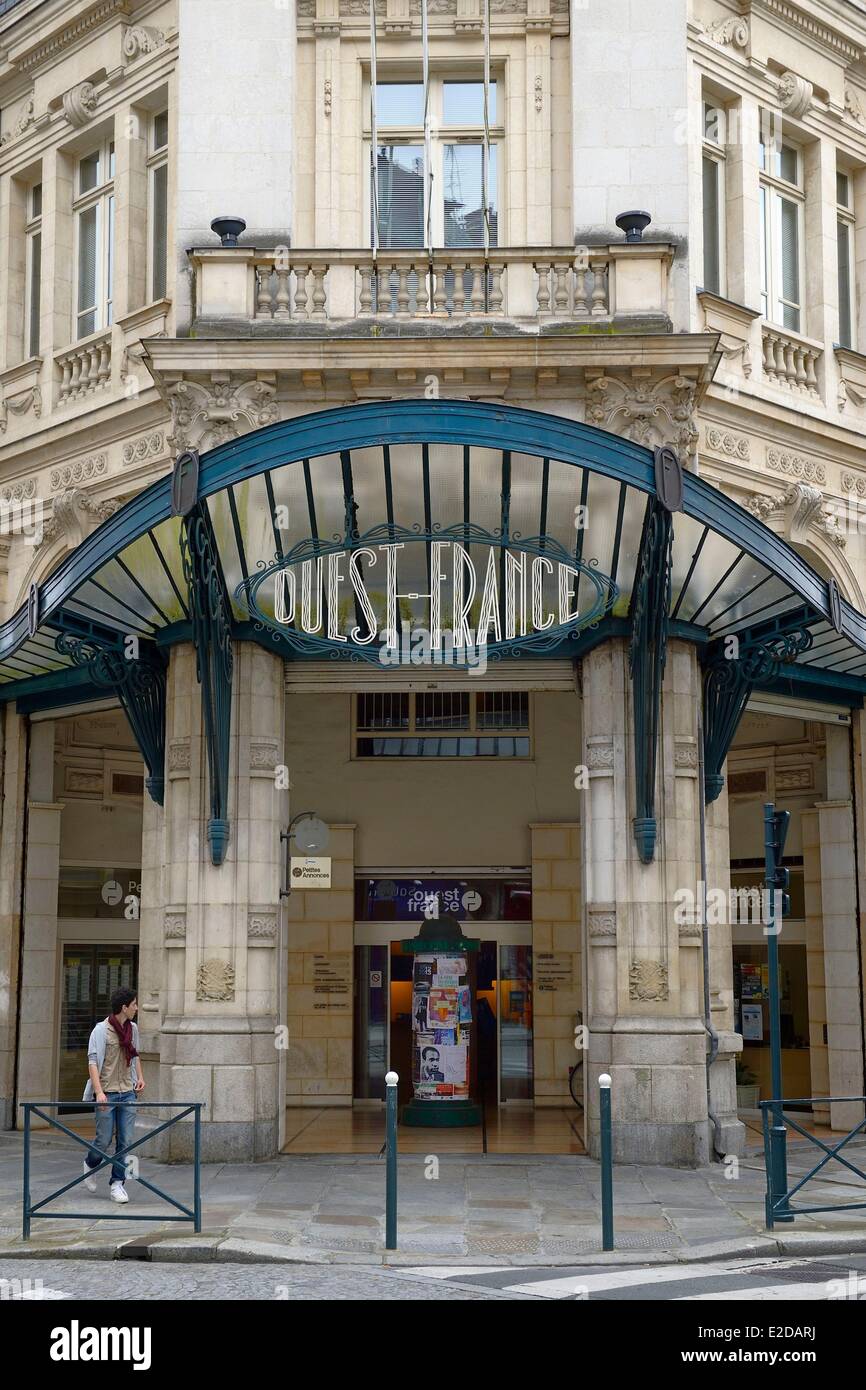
(420, 1021)
(422, 974)
(445, 1037)
(442, 1008)
(464, 1004)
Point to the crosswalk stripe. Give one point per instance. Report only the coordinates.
(622, 1279)
(763, 1293)
(455, 1271)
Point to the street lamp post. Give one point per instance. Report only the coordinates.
(776, 879)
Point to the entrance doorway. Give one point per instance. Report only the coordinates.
(90, 975)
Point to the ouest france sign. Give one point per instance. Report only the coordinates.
(461, 588)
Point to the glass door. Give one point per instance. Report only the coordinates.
(371, 1022)
(91, 974)
(515, 1023)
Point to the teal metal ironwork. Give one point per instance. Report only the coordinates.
(730, 676)
(606, 1155)
(777, 1201)
(391, 1160)
(775, 832)
(647, 654)
(247, 593)
(212, 638)
(33, 1210)
(139, 682)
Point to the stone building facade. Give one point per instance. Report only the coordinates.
(474, 256)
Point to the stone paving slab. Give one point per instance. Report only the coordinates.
(480, 1209)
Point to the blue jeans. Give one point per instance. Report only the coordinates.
(118, 1114)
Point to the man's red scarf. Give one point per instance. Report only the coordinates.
(125, 1035)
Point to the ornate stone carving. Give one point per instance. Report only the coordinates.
(649, 412)
(783, 461)
(853, 107)
(686, 754)
(25, 119)
(795, 94)
(20, 491)
(179, 755)
(216, 982)
(263, 756)
(800, 509)
(328, 96)
(736, 446)
(733, 31)
(79, 104)
(851, 483)
(75, 516)
(149, 446)
(204, 416)
(690, 930)
(648, 980)
(19, 405)
(599, 756)
(262, 925)
(175, 926)
(539, 98)
(81, 471)
(601, 924)
(140, 40)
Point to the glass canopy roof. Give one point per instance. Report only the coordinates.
(476, 472)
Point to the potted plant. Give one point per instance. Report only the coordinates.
(748, 1088)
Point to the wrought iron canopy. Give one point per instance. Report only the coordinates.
(484, 473)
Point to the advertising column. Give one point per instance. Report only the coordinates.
(442, 1026)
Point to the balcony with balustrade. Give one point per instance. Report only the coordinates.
(243, 291)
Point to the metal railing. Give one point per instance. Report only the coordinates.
(778, 1201)
(33, 1210)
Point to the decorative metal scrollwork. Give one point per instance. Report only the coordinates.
(647, 656)
(728, 683)
(140, 685)
(211, 633)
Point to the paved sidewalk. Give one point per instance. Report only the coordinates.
(479, 1210)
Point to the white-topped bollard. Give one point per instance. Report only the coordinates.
(604, 1085)
(391, 1080)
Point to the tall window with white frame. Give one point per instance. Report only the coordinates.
(845, 256)
(782, 199)
(463, 166)
(158, 205)
(94, 239)
(33, 273)
(713, 187)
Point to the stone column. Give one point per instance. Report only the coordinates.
(37, 1059)
(14, 753)
(644, 971)
(729, 1132)
(222, 925)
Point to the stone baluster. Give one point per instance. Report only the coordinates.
(365, 293)
(811, 375)
(65, 385)
(282, 309)
(476, 296)
(769, 363)
(580, 306)
(459, 296)
(781, 360)
(75, 377)
(598, 266)
(263, 291)
(301, 272)
(543, 292)
(319, 294)
(440, 288)
(495, 297)
(104, 362)
(560, 291)
(799, 367)
(403, 290)
(93, 368)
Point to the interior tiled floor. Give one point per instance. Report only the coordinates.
(330, 1130)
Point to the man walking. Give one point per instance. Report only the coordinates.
(115, 1077)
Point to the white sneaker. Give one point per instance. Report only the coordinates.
(118, 1193)
(90, 1182)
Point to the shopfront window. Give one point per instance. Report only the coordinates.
(85, 891)
(465, 899)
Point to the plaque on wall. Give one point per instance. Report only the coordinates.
(553, 970)
(332, 979)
